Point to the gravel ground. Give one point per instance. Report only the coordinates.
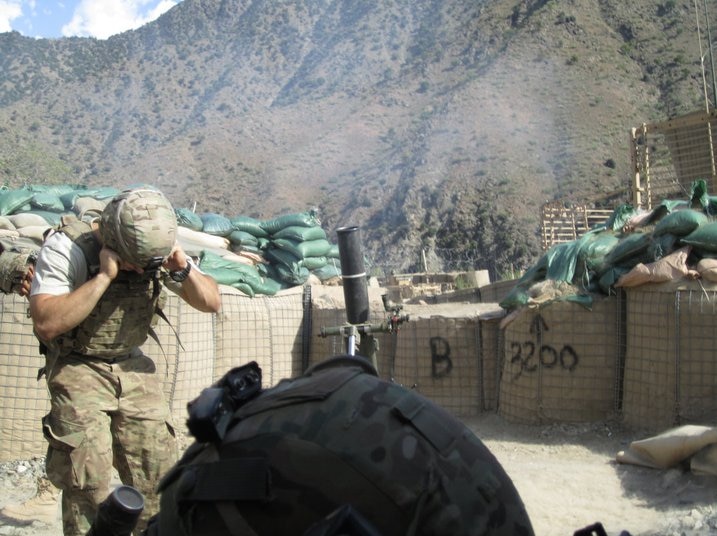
(566, 475)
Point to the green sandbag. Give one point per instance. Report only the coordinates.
(280, 256)
(216, 224)
(242, 238)
(47, 201)
(310, 248)
(631, 248)
(703, 238)
(666, 206)
(610, 277)
(327, 272)
(680, 223)
(248, 225)
(303, 219)
(292, 277)
(12, 200)
(246, 289)
(662, 246)
(314, 263)
(301, 234)
(68, 198)
(287, 266)
(333, 252)
(227, 271)
(187, 218)
(268, 287)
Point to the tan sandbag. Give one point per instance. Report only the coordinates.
(9, 233)
(6, 224)
(707, 268)
(35, 232)
(704, 462)
(27, 219)
(669, 448)
(668, 268)
(203, 239)
(87, 206)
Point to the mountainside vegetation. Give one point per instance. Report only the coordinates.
(436, 127)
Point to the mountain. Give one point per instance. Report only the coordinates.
(435, 126)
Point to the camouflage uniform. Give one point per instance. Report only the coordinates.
(107, 405)
(340, 436)
(105, 414)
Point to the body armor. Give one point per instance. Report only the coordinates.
(123, 317)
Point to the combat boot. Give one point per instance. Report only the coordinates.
(43, 507)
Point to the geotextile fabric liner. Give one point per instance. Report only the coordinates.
(24, 399)
(441, 358)
(561, 363)
(265, 329)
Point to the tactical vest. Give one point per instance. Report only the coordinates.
(301, 456)
(124, 315)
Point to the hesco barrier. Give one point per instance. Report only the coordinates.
(559, 363)
(670, 365)
(562, 363)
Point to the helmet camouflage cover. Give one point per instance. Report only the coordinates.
(340, 437)
(140, 225)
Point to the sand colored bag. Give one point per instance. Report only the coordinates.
(669, 268)
(707, 269)
(669, 448)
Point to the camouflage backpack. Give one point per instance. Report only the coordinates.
(335, 451)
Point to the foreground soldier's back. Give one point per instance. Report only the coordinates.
(339, 441)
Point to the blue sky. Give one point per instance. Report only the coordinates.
(82, 18)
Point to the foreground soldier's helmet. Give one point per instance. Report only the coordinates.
(141, 226)
(335, 451)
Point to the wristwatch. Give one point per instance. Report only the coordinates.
(181, 275)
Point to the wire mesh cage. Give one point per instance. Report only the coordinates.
(668, 156)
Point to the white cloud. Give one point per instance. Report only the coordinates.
(103, 18)
(9, 11)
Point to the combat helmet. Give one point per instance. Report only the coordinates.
(141, 226)
(336, 450)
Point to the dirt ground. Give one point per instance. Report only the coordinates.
(566, 475)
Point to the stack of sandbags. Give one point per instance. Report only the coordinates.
(30, 211)
(254, 256)
(626, 251)
(298, 246)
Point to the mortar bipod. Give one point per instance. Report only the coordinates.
(359, 337)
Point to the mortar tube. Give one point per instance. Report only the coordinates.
(353, 274)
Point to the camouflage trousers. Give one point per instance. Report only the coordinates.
(106, 415)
